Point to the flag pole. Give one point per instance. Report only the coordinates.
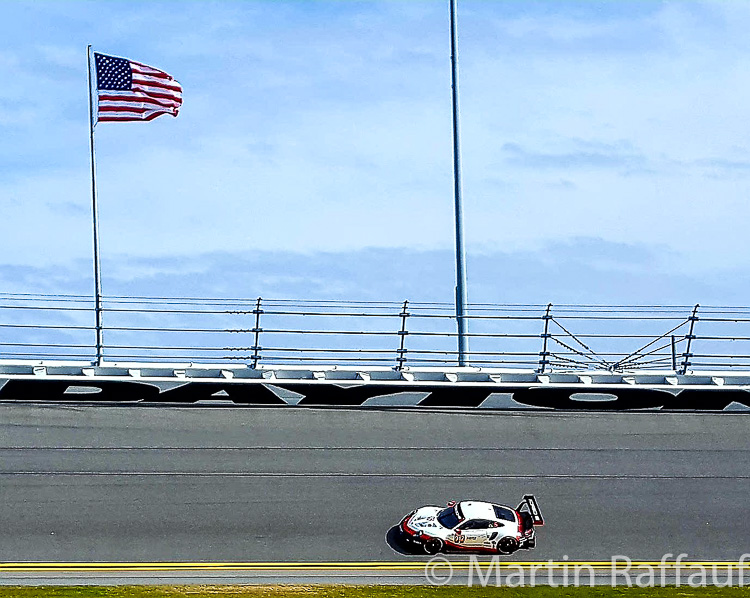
(461, 299)
(95, 215)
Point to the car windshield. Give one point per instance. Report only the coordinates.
(504, 514)
(448, 518)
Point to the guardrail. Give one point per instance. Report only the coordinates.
(544, 338)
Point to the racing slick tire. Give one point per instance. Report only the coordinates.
(507, 545)
(433, 546)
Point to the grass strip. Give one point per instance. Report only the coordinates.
(339, 591)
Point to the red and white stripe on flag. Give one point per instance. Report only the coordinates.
(129, 90)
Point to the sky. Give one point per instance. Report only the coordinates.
(605, 151)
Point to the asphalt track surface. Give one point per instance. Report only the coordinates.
(155, 484)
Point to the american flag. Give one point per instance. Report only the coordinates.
(130, 90)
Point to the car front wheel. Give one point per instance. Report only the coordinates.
(433, 546)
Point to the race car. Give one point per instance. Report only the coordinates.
(473, 526)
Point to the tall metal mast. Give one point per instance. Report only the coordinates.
(461, 299)
(95, 216)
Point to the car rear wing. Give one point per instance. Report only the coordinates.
(529, 504)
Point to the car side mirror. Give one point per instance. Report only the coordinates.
(451, 503)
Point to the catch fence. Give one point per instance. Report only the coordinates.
(263, 332)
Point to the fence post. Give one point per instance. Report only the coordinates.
(256, 330)
(543, 361)
(401, 358)
(99, 329)
(690, 336)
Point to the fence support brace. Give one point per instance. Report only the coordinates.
(543, 361)
(690, 336)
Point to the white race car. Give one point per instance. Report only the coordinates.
(473, 526)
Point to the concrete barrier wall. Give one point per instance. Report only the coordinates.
(434, 389)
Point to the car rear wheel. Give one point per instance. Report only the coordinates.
(507, 545)
(433, 546)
